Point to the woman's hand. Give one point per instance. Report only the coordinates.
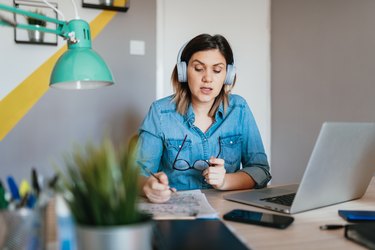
(157, 190)
(215, 174)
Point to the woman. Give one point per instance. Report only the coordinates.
(199, 137)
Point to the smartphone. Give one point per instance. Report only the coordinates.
(357, 215)
(259, 218)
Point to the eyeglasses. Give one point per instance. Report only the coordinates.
(183, 165)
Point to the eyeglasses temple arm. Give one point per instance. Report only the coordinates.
(179, 150)
(219, 147)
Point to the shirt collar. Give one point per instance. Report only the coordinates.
(220, 112)
(190, 116)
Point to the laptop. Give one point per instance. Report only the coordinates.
(340, 169)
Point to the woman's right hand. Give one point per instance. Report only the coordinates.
(158, 191)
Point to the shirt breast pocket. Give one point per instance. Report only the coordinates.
(231, 151)
(174, 145)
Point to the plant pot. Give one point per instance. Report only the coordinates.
(36, 35)
(106, 2)
(136, 236)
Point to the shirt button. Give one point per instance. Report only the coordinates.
(204, 139)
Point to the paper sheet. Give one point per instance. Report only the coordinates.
(182, 205)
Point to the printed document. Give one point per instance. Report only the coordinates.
(190, 204)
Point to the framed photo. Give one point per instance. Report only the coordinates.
(34, 36)
(117, 5)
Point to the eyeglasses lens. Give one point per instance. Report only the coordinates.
(201, 165)
(184, 165)
(181, 165)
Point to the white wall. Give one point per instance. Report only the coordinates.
(245, 23)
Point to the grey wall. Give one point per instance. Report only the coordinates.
(323, 69)
(62, 118)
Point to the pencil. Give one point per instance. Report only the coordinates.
(153, 175)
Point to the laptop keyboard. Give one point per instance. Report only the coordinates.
(286, 199)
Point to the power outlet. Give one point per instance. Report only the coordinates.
(137, 47)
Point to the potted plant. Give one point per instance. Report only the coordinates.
(100, 186)
(36, 35)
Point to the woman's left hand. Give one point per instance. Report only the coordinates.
(215, 174)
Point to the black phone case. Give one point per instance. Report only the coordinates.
(236, 215)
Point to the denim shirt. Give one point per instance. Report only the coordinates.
(163, 130)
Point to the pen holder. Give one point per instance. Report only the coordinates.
(22, 229)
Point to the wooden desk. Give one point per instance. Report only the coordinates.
(304, 233)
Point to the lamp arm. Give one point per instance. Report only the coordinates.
(61, 30)
(57, 31)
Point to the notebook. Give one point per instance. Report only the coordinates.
(194, 234)
(362, 233)
(340, 169)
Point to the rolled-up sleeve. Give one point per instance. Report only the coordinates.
(254, 159)
(258, 169)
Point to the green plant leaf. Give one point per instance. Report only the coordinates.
(33, 21)
(100, 185)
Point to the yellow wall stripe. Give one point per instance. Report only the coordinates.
(21, 99)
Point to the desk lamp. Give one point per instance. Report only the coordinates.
(79, 67)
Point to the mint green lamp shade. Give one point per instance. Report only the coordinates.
(80, 68)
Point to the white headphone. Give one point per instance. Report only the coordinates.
(182, 69)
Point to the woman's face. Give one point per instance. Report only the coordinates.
(206, 73)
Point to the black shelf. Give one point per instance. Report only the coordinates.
(37, 43)
(105, 7)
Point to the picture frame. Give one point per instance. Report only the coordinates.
(23, 36)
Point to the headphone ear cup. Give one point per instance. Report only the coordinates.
(181, 66)
(231, 73)
(181, 71)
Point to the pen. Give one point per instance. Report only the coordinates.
(35, 182)
(13, 188)
(23, 201)
(31, 201)
(152, 174)
(331, 227)
(3, 200)
(52, 183)
(24, 188)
